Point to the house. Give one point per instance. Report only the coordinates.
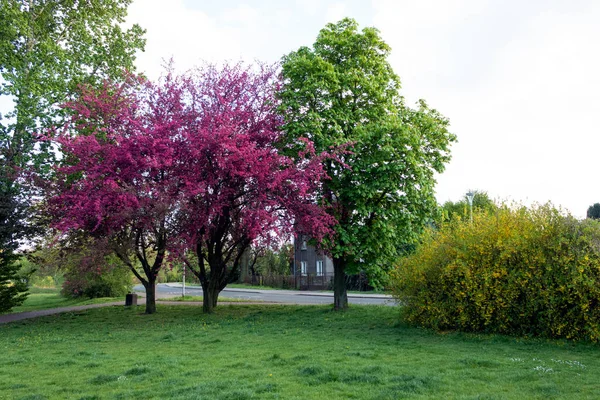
(312, 268)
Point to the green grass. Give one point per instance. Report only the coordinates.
(199, 299)
(45, 298)
(279, 352)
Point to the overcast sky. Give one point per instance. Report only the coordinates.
(519, 80)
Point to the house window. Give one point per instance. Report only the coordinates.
(303, 244)
(303, 268)
(319, 268)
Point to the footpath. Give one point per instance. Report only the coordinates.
(6, 318)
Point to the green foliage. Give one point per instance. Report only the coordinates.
(270, 262)
(13, 228)
(517, 271)
(460, 209)
(12, 288)
(107, 277)
(43, 265)
(83, 265)
(343, 92)
(47, 48)
(594, 211)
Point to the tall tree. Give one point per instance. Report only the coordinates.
(116, 182)
(343, 91)
(185, 166)
(594, 211)
(12, 229)
(48, 48)
(239, 188)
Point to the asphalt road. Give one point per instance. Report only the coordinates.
(166, 290)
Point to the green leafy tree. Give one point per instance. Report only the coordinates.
(343, 92)
(12, 209)
(481, 203)
(48, 48)
(593, 211)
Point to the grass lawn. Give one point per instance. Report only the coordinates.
(279, 352)
(44, 298)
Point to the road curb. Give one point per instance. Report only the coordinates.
(291, 292)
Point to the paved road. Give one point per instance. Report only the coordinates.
(165, 290)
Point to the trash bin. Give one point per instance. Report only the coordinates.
(131, 299)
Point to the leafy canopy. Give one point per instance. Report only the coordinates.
(48, 48)
(342, 91)
(461, 209)
(594, 211)
(185, 165)
(46, 51)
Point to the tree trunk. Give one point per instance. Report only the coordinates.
(210, 295)
(151, 297)
(340, 296)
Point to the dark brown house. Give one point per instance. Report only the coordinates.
(312, 268)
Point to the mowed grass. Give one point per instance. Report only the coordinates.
(45, 298)
(279, 352)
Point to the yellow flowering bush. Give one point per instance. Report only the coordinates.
(520, 271)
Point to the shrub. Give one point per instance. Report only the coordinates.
(517, 271)
(107, 277)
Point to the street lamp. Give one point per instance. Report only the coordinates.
(470, 195)
(183, 282)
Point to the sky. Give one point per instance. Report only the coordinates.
(519, 81)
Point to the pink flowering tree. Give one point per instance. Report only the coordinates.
(238, 187)
(116, 181)
(187, 168)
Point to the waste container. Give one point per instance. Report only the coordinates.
(131, 299)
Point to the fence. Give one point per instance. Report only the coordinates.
(306, 282)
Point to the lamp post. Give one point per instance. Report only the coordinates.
(183, 282)
(470, 196)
